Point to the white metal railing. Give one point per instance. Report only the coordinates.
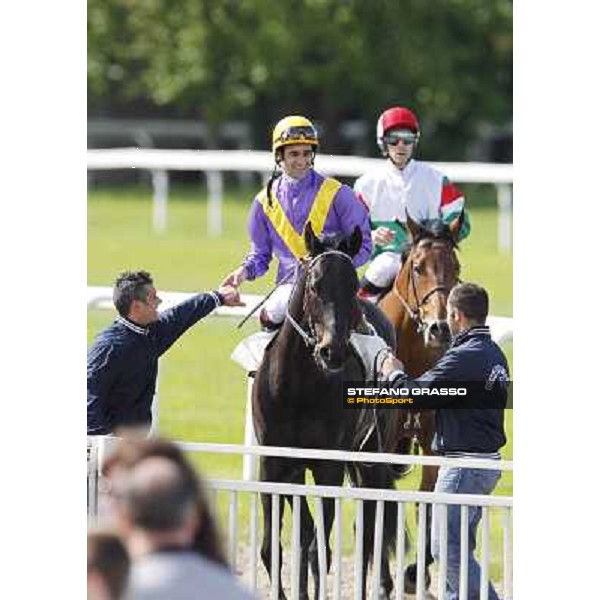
(215, 162)
(102, 297)
(100, 445)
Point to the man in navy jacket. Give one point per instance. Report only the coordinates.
(123, 360)
(474, 430)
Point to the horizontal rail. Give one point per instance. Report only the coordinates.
(262, 162)
(339, 455)
(323, 491)
(347, 456)
(101, 297)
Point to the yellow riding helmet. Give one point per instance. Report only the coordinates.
(294, 130)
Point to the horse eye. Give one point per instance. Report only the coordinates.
(417, 269)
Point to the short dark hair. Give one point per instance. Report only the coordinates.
(159, 494)
(128, 453)
(130, 286)
(107, 555)
(470, 299)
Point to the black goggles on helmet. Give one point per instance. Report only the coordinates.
(407, 137)
(299, 133)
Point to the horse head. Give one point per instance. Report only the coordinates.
(429, 271)
(329, 300)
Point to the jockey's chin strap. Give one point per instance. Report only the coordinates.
(308, 337)
(415, 313)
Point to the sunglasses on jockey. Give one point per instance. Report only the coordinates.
(300, 133)
(408, 138)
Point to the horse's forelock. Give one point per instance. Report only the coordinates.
(432, 230)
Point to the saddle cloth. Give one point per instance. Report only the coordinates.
(250, 351)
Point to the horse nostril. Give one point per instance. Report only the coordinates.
(325, 352)
(439, 330)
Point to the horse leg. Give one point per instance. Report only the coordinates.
(325, 473)
(268, 471)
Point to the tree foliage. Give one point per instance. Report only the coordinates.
(331, 59)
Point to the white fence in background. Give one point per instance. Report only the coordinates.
(98, 447)
(101, 297)
(215, 162)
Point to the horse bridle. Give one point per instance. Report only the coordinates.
(415, 313)
(309, 337)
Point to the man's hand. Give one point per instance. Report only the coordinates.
(390, 364)
(231, 296)
(235, 278)
(383, 236)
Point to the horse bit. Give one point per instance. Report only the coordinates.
(415, 314)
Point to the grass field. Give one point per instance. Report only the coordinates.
(202, 392)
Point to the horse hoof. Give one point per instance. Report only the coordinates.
(383, 594)
(410, 579)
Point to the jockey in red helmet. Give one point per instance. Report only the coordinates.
(399, 185)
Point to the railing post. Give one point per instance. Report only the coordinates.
(92, 481)
(377, 550)
(233, 510)
(400, 552)
(253, 540)
(358, 556)
(249, 463)
(504, 192)
(337, 561)
(160, 189)
(214, 180)
(507, 553)
(421, 548)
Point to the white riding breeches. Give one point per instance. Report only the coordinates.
(276, 305)
(383, 269)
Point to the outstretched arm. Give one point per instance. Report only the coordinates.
(174, 322)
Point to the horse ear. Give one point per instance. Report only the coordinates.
(313, 245)
(414, 229)
(456, 225)
(354, 242)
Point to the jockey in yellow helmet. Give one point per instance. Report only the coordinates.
(295, 195)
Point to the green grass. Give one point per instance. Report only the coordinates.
(202, 392)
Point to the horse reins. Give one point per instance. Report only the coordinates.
(308, 337)
(414, 313)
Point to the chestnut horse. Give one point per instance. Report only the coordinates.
(416, 306)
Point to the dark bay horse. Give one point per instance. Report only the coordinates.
(416, 306)
(297, 401)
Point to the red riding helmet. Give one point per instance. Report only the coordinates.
(396, 117)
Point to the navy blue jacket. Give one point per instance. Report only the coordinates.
(123, 364)
(472, 357)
